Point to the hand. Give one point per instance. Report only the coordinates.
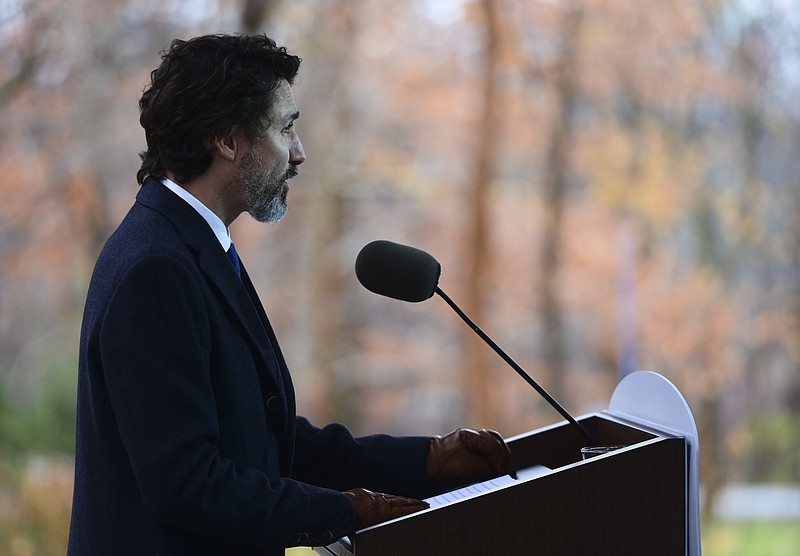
(466, 456)
(373, 507)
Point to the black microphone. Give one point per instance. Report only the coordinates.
(398, 271)
(410, 274)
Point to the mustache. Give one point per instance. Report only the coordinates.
(291, 172)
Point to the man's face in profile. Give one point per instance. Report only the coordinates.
(272, 160)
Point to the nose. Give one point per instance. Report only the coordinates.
(296, 153)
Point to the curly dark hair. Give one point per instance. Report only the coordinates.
(204, 87)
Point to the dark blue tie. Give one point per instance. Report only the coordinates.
(234, 257)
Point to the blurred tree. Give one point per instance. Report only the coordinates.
(255, 13)
(479, 263)
(337, 33)
(556, 182)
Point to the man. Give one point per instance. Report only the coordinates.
(188, 441)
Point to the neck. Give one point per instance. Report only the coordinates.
(208, 191)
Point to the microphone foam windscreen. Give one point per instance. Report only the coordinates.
(397, 271)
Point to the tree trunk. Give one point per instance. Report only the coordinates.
(328, 207)
(476, 359)
(255, 13)
(555, 186)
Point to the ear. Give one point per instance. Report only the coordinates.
(228, 145)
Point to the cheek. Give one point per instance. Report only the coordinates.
(276, 152)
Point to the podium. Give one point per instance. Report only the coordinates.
(639, 499)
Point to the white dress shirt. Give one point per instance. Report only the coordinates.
(216, 223)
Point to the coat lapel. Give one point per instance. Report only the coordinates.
(239, 294)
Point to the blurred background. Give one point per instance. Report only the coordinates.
(610, 185)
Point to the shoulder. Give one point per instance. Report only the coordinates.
(146, 248)
(143, 234)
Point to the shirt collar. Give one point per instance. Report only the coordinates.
(214, 221)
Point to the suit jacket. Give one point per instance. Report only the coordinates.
(187, 436)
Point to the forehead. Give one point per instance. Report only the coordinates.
(283, 104)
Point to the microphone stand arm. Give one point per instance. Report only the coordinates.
(557, 406)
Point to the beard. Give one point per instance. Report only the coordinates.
(265, 191)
